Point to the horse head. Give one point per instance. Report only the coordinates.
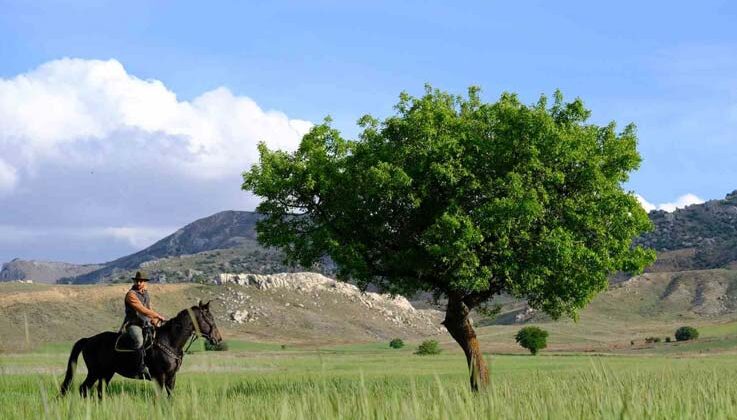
(205, 323)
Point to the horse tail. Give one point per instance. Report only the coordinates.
(72, 364)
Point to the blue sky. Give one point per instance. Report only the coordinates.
(92, 170)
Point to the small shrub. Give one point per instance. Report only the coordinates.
(667, 339)
(397, 343)
(221, 346)
(428, 347)
(687, 333)
(283, 346)
(632, 342)
(532, 338)
(652, 340)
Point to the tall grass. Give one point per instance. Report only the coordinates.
(390, 386)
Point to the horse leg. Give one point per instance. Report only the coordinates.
(99, 388)
(160, 380)
(103, 382)
(169, 383)
(88, 383)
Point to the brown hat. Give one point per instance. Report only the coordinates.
(139, 276)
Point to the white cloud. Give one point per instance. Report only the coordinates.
(645, 204)
(8, 177)
(138, 237)
(82, 112)
(96, 163)
(681, 202)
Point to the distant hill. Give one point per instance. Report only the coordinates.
(700, 236)
(42, 271)
(224, 230)
(653, 304)
(663, 297)
(284, 309)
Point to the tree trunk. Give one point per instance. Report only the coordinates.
(460, 328)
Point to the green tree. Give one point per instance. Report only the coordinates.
(464, 199)
(686, 333)
(532, 338)
(428, 347)
(396, 343)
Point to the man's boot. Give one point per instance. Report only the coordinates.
(142, 369)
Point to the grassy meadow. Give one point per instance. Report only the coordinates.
(371, 381)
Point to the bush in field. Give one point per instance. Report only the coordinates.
(428, 347)
(667, 339)
(687, 333)
(397, 343)
(532, 338)
(221, 346)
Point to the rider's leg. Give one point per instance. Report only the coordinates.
(136, 333)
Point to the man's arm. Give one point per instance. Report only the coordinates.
(132, 300)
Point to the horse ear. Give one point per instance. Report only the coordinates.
(199, 303)
(206, 305)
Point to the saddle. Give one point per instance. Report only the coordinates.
(124, 342)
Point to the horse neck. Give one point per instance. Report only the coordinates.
(179, 330)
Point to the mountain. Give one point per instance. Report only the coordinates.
(42, 271)
(700, 236)
(224, 230)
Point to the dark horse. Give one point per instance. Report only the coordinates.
(163, 358)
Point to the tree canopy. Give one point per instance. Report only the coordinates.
(453, 195)
(464, 199)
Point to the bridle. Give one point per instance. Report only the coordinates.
(196, 333)
(207, 335)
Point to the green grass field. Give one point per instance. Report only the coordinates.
(375, 382)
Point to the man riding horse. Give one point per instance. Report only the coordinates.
(139, 317)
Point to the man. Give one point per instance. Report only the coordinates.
(139, 315)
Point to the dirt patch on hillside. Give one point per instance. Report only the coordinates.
(60, 293)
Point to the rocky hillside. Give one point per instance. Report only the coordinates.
(700, 236)
(302, 308)
(224, 230)
(42, 271)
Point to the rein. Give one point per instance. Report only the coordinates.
(192, 338)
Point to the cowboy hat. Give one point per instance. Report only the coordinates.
(139, 276)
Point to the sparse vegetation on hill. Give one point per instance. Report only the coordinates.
(273, 314)
(42, 271)
(706, 235)
(224, 230)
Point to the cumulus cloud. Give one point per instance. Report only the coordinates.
(96, 163)
(681, 202)
(75, 111)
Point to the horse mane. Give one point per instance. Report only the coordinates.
(178, 321)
